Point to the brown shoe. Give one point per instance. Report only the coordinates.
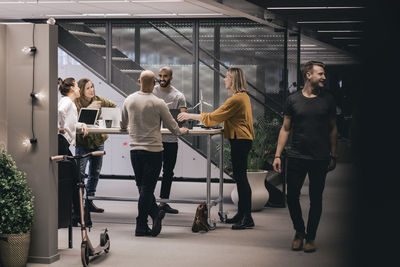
(310, 246)
(297, 243)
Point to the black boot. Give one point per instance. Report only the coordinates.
(92, 207)
(235, 219)
(245, 223)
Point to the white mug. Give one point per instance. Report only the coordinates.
(102, 123)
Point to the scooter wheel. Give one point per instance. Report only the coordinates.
(103, 240)
(85, 254)
(107, 238)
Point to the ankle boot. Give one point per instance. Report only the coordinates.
(235, 219)
(245, 223)
(92, 207)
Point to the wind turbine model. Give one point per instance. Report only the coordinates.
(200, 104)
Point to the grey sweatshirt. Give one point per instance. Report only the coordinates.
(143, 113)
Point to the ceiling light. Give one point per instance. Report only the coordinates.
(314, 7)
(155, 15)
(338, 31)
(118, 14)
(105, 1)
(308, 45)
(29, 49)
(329, 21)
(66, 15)
(13, 2)
(53, 2)
(346, 38)
(51, 21)
(200, 14)
(156, 1)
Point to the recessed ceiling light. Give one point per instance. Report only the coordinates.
(327, 31)
(346, 38)
(156, 1)
(200, 14)
(101, 2)
(65, 15)
(314, 7)
(155, 14)
(330, 21)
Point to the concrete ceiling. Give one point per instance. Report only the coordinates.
(17, 10)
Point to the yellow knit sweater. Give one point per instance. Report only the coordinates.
(236, 115)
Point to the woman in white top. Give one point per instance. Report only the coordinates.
(68, 116)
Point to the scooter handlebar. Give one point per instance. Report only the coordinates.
(61, 157)
(98, 153)
(57, 158)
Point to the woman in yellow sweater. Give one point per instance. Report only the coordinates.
(237, 118)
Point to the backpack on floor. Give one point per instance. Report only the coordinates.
(200, 219)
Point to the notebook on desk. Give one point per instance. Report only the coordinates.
(88, 116)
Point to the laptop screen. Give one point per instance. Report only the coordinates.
(88, 115)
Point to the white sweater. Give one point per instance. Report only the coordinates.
(68, 119)
(143, 112)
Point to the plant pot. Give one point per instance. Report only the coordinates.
(14, 249)
(259, 194)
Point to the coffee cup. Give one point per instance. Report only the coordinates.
(108, 123)
(101, 123)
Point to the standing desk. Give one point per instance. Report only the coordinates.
(196, 131)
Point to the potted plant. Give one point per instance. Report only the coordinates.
(266, 132)
(16, 213)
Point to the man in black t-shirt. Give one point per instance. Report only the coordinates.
(310, 116)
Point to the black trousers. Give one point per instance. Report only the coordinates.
(68, 192)
(297, 170)
(240, 149)
(169, 159)
(147, 167)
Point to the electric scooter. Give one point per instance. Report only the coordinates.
(87, 249)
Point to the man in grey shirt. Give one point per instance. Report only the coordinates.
(143, 113)
(174, 100)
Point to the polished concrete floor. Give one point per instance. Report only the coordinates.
(268, 244)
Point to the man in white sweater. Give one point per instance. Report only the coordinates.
(143, 112)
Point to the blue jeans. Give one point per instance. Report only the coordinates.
(95, 164)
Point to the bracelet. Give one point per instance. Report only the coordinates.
(277, 157)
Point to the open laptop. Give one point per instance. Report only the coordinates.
(113, 114)
(88, 116)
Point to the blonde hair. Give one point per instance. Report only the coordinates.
(239, 83)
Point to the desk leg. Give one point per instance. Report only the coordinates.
(221, 213)
(212, 224)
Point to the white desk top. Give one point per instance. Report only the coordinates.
(194, 131)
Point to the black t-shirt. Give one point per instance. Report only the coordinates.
(310, 124)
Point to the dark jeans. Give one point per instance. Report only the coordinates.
(68, 177)
(169, 159)
(95, 163)
(297, 170)
(240, 149)
(147, 167)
